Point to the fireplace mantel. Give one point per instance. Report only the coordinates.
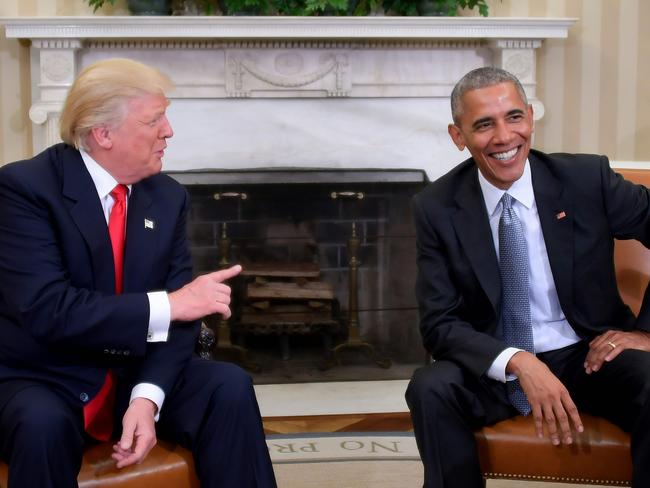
(220, 27)
(292, 92)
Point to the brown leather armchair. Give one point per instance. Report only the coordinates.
(601, 455)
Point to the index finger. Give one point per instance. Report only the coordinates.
(538, 418)
(572, 411)
(226, 274)
(127, 460)
(128, 432)
(137, 454)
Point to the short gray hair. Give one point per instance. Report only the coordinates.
(481, 78)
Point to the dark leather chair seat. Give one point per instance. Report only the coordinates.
(600, 455)
(166, 466)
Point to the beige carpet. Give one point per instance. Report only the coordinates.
(350, 474)
(374, 474)
(358, 460)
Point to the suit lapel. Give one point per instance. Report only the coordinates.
(86, 211)
(556, 218)
(475, 236)
(141, 245)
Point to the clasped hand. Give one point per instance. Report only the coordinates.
(607, 346)
(138, 433)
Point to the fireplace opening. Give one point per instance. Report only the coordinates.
(298, 236)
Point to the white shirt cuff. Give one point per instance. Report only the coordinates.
(497, 370)
(150, 392)
(159, 316)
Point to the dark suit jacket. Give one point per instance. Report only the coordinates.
(459, 287)
(60, 320)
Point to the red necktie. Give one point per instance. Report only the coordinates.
(98, 413)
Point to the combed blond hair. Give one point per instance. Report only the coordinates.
(99, 95)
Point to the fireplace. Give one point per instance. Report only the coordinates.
(304, 218)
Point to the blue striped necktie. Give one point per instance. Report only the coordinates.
(515, 301)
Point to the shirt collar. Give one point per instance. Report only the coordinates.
(103, 180)
(521, 190)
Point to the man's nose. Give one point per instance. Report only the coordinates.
(502, 133)
(166, 130)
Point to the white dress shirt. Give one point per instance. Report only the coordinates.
(550, 328)
(159, 308)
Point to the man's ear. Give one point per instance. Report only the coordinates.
(101, 135)
(456, 136)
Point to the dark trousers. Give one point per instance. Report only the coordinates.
(212, 411)
(447, 405)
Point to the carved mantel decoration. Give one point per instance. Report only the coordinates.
(328, 92)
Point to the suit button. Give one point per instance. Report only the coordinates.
(83, 397)
(106, 351)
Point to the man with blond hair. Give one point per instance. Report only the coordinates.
(99, 314)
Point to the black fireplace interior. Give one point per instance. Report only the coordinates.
(288, 220)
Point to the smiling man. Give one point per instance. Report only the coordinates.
(99, 314)
(519, 306)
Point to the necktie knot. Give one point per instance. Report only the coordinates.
(119, 193)
(506, 201)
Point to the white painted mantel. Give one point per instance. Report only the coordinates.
(288, 92)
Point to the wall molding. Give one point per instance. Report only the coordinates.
(630, 164)
(224, 27)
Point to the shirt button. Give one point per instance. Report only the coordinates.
(83, 397)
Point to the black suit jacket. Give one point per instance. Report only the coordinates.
(459, 287)
(60, 320)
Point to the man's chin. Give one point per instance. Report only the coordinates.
(152, 169)
(156, 167)
(510, 177)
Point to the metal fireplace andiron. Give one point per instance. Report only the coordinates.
(224, 347)
(354, 338)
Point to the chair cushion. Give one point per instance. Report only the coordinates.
(166, 466)
(631, 257)
(600, 455)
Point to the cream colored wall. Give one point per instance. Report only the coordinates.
(592, 84)
(15, 126)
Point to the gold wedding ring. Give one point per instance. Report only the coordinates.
(611, 344)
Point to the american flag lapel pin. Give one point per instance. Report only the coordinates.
(560, 215)
(149, 224)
